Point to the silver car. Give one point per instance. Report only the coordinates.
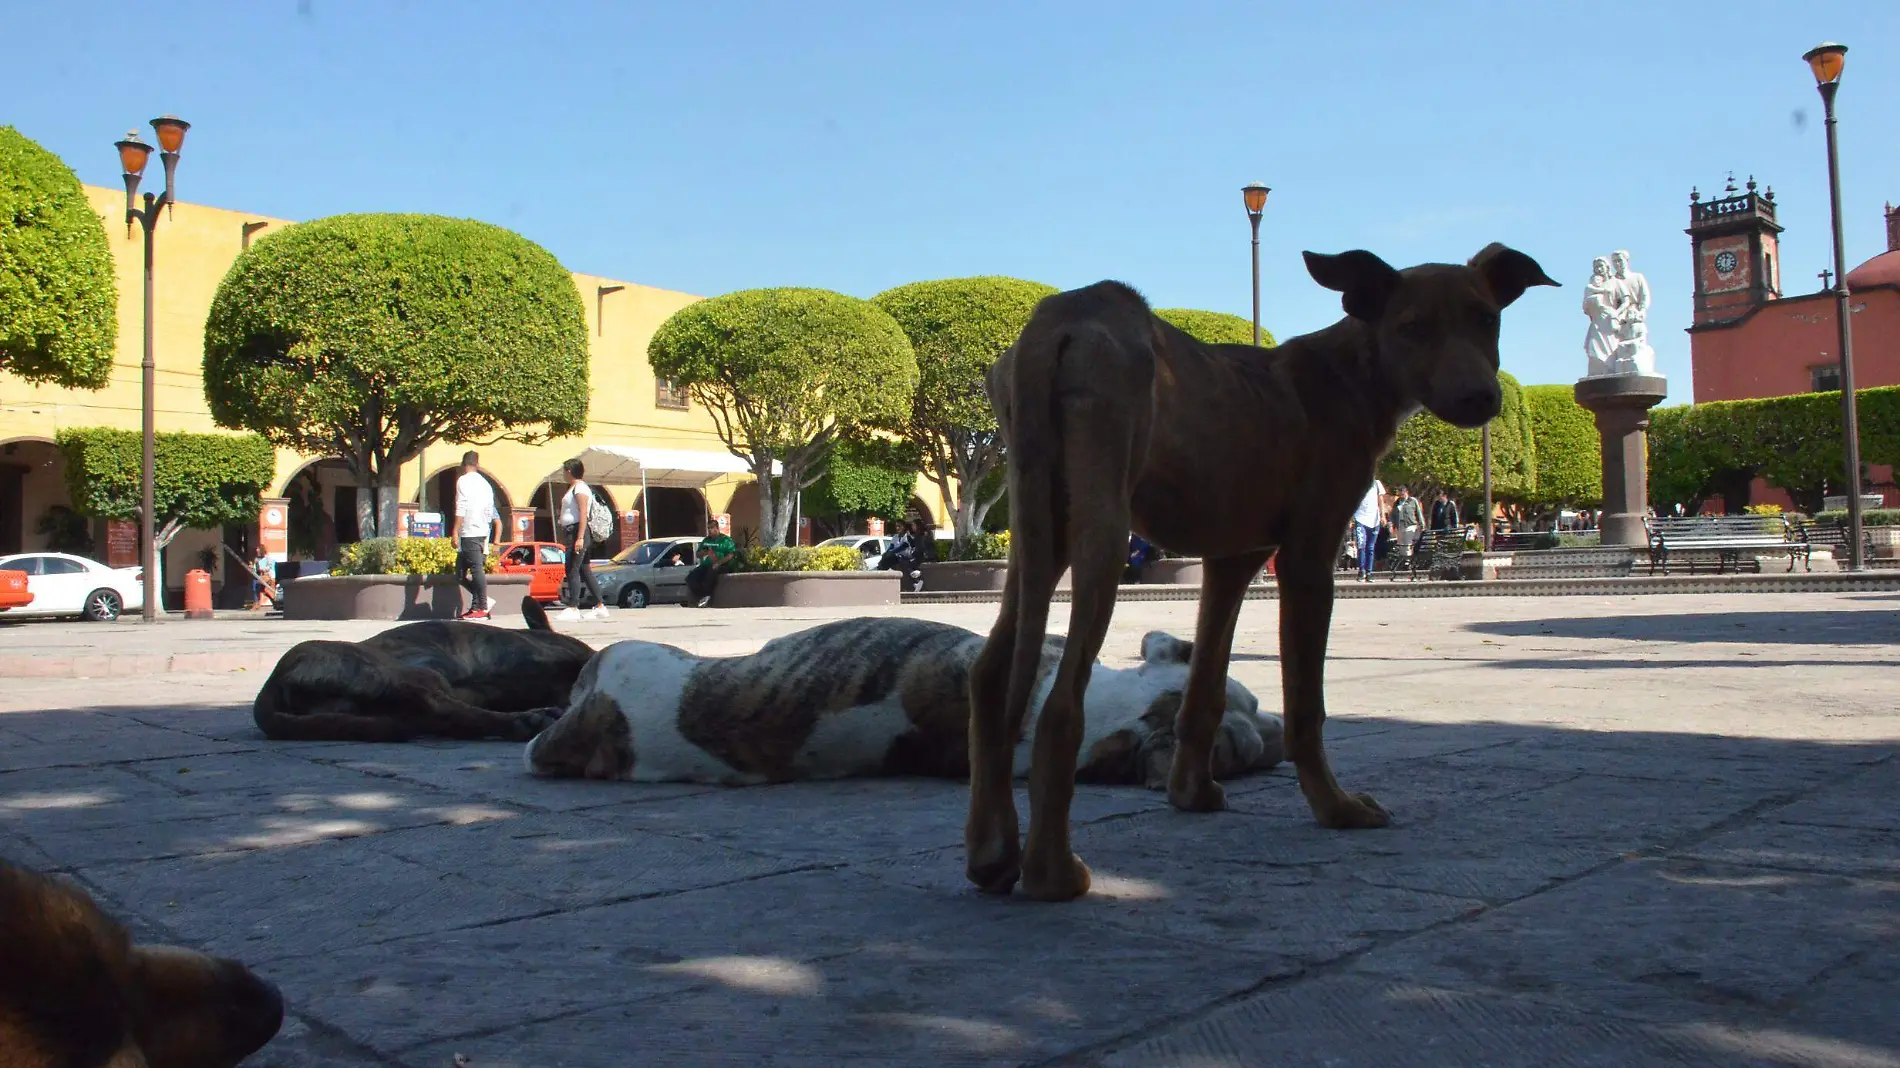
(647, 572)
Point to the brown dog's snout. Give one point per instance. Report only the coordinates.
(1470, 408)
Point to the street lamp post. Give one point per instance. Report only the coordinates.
(133, 155)
(1826, 61)
(1484, 445)
(1254, 195)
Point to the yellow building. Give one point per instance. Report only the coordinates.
(196, 245)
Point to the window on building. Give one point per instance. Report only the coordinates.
(1825, 379)
(667, 395)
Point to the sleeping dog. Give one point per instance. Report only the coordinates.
(76, 993)
(862, 697)
(438, 677)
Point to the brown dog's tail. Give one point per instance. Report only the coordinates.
(535, 615)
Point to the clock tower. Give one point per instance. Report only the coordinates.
(1737, 250)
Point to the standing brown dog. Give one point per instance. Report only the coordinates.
(76, 993)
(1117, 421)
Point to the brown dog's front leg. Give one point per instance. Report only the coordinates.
(1192, 786)
(1306, 614)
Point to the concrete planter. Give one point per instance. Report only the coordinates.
(1173, 573)
(807, 589)
(1886, 541)
(404, 597)
(1474, 566)
(962, 576)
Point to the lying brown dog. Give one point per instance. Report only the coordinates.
(1117, 421)
(76, 993)
(443, 678)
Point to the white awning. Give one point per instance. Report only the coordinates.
(631, 465)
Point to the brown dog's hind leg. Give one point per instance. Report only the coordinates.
(991, 839)
(1192, 784)
(1306, 614)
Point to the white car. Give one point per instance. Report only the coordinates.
(871, 546)
(65, 585)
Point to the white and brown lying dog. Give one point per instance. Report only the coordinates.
(862, 697)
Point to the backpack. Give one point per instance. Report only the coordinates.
(600, 521)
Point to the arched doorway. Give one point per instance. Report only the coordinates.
(322, 511)
(35, 510)
(440, 498)
(672, 512)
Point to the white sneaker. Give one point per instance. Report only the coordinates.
(569, 614)
(599, 611)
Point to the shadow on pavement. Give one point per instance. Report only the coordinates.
(1626, 897)
(1818, 627)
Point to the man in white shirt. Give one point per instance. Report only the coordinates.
(1365, 527)
(476, 522)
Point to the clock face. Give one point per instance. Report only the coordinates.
(1725, 263)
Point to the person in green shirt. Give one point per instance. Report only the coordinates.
(716, 553)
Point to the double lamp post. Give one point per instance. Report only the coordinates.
(133, 155)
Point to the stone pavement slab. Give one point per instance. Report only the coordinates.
(1628, 831)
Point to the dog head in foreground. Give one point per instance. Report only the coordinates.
(1435, 326)
(76, 993)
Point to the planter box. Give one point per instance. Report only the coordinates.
(1886, 541)
(960, 576)
(402, 597)
(1173, 573)
(1474, 566)
(807, 589)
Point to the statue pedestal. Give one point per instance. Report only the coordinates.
(1621, 404)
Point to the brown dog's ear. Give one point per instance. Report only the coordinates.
(1366, 280)
(1508, 272)
(535, 615)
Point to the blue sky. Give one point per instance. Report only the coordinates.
(717, 146)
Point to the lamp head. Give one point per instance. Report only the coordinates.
(133, 153)
(171, 132)
(1826, 61)
(1254, 194)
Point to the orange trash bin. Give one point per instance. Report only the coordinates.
(197, 594)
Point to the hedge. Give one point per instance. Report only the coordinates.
(1794, 442)
(1569, 450)
(402, 556)
(800, 558)
(1215, 328)
(59, 298)
(201, 480)
(1430, 454)
(983, 546)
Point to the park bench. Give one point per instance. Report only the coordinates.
(1435, 555)
(1515, 541)
(1725, 537)
(1831, 536)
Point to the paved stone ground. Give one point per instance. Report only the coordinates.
(1631, 831)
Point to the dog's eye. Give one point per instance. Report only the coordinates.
(1415, 330)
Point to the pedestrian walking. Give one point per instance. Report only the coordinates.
(476, 522)
(716, 554)
(1366, 523)
(1407, 519)
(1444, 512)
(577, 537)
(1141, 553)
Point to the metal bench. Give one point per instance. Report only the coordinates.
(1726, 537)
(1435, 555)
(1830, 536)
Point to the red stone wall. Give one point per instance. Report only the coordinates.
(1769, 354)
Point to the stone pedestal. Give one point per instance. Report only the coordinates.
(1621, 404)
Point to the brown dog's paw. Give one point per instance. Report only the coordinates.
(1353, 812)
(1196, 793)
(1064, 879)
(528, 724)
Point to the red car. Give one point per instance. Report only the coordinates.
(13, 591)
(545, 561)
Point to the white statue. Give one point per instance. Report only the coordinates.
(1617, 302)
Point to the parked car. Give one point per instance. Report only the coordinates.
(647, 572)
(870, 546)
(544, 561)
(13, 590)
(66, 585)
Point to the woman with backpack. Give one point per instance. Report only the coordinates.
(581, 519)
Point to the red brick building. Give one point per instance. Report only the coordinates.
(1749, 339)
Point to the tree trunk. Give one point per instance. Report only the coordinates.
(376, 500)
(771, 521)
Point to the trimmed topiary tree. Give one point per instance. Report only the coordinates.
(371, 337)
(1430, 454)
(958, 328)
(783, 372)
(865, 476)
(1569, 450)
(201, 481)
(59, 300)
(1215, 328)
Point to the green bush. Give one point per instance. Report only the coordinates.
(402, 556)
(202, 480)
(800, 558)
(1794, 442)
(958, 327)
(372, 337)
(1214, 328)
(783, 373)
(1430, 454)
(59, 299)
(1871, 517)
(983, 546)
(1569, 450)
